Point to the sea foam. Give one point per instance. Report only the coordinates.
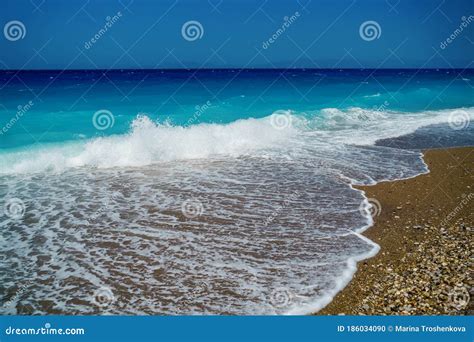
(148, 142)
(278, 223)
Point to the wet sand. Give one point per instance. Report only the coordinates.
(424, 229)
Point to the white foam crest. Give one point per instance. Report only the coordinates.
(149, 143)
(365, 126)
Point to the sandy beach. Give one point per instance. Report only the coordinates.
(424, 229)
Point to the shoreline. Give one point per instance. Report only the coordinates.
(423, 228)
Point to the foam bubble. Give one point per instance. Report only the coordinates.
(148, 143)
(365, 126)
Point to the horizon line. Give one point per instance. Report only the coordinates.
(225, 69)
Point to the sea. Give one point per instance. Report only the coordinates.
(190, 192)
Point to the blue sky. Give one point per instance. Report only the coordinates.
(318, 34)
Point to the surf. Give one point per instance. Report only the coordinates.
(284, 132)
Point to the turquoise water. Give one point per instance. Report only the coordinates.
(217, 192)
(64, 103)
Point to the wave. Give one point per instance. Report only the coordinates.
(300, 190)
(148, 142)
(360, 126)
